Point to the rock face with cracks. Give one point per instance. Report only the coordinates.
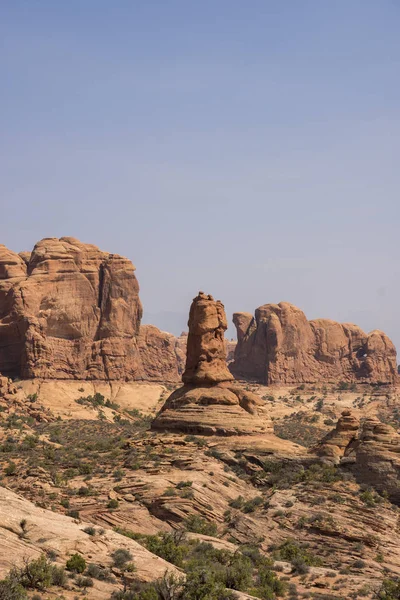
(71, 311)
(279, 345)
(209, 403)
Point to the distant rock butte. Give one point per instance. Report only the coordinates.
(70, 311)
(279, 345)
(209, 403)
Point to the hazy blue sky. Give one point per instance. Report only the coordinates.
(248, 149)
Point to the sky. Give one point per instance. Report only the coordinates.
(246, 149)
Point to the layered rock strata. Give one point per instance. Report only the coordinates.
(376, 457)
(279, 345)
(209, 403)
(371, 450)
(334, 445)
(71, 311)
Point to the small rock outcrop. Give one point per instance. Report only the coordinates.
(377, 458)
(209, 403)
(279, 345)
(369, 448)
(334, 445)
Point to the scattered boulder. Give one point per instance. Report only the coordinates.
(279, 345)
(209, 403)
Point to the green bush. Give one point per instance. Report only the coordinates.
(196, 524)
(11, 589)
(76, 563)
(11, 469)
(390, 590)
(121, 557)
(84, 582)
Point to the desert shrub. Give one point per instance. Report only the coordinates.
(251, 505)
(196, 524)
(291, 551)
(100, 573)
(167, 546)
(11, 469)
(390, 590)
(58, 576)
(237, 502)
(112, 503)
(76, 563)
(121, 557)
(84, 582)
(11, 589)
(90, 530)
(183, 484)
(202, 584)
(359, 564)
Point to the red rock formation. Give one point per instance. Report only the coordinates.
(209, 403)
(279, 345)
(376, 457)
(72, 311)
(206, 352)
(162, 355)
(334, 445)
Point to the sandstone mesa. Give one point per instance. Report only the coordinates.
(279, 345)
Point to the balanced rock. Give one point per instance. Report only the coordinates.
(209, 403)
(334, 445)
(279, 345)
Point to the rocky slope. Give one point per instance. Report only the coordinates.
(279, 345)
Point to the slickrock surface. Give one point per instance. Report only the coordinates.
(335, 443)
(279, 345)
(48, 531)
(209, 403)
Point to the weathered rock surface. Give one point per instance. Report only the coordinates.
(49, 531)
(279, 345)
(162, 355)
(209, 403)
(70, 311)
(206, 351)
(334, 445)
(377, 458)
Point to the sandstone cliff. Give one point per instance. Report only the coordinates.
(70, 311)
(279, 345)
